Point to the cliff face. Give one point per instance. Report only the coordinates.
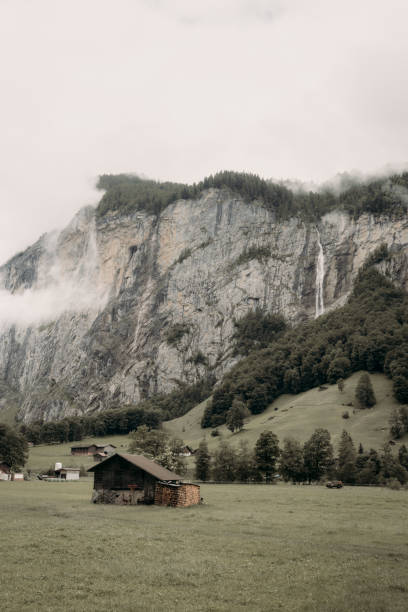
(114, 309)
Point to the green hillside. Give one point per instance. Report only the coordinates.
(299, 415)
(43, 456)
(290, 415)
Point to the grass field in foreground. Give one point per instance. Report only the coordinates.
(249, 547)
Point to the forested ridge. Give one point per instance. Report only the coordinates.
(369, 333)
(126, 193)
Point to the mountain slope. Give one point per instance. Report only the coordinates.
(299, 415)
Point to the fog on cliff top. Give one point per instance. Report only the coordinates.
(178, 90)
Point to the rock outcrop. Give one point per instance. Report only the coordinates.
(114, 309)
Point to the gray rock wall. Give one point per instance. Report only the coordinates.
(85, 313)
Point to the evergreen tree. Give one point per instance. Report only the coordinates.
(202, 461)
(291, 461)
(368, 467)
(245, 466)
(346, 459)
(397, 428)
(391, 468)
(365, 392)
(266, 454)
(318, 455)
(225, 463)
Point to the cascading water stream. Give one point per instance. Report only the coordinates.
(319, 279)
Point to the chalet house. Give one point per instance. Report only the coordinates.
(92, 449)
(134, 479)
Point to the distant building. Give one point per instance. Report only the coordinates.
(93, 449)
(186, 451)
(134, 479)
(99, 457)
(67, 473)
(5, 473)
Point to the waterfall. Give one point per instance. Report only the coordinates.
(319, 278)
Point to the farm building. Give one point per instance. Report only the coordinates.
(5, 473)
(134, 479)
(66, 473)
(99, 457)
(92, 449)
(187, 451)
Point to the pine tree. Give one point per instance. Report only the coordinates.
(365, 392)
(291, 461)
(318, 455)
(396, 424)
(245, 462)
(346, 459)
(391, 468)
(225, 463)
(266, 454)
(202, 461)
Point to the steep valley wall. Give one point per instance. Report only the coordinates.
(114, 309)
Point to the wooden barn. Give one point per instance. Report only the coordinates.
(134, 479)
(92, 449)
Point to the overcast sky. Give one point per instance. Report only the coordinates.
(178, 89)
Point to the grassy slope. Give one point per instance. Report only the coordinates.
(43, 456)
(248, 548)
(299, 415)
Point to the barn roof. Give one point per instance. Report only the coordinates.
(156, 470)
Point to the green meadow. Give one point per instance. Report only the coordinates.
(290, 415)
(248, 547)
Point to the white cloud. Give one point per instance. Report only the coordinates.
(177, 89)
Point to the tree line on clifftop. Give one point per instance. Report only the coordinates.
(127, 193)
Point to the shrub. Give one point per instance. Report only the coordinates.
(345, 415)
(393, 484)
(185, 253)
(175, 333)
(365, 392)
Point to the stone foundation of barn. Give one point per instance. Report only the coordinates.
(176, 495)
